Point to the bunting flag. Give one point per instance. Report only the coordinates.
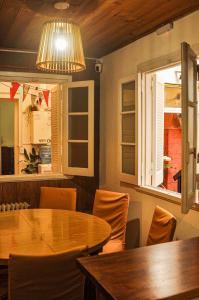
(13, 90)
(46, 96)
(26, 88)
(35, 92)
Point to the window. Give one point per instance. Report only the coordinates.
(78, 133)
(163, 132)
(128, 137)
(158, 150)
(189, 126)
(46, 125)
(171, 105)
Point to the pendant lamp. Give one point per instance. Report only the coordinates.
(60, 49)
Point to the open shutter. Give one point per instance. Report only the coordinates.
(197, 155)
(78, 128)
(189, 126)
(158, 130)
(56, 129)
(128, 127)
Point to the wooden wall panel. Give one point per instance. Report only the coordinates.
(29, 191)
(8, 192)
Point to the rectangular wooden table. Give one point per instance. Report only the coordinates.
(164, 271)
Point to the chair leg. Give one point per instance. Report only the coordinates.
(4, 283)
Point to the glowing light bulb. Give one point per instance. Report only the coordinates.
(61, 43)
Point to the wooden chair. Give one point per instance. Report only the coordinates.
(113, 208)
(46, 277)
(58, 198)
(162, 227)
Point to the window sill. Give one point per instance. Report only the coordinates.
(33, 177)
(170, 196)
(166, 195)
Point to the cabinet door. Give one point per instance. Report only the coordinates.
(78, 128)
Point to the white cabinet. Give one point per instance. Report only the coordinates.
(40, 127)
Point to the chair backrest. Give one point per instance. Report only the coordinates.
(46, 277)
(162, 227)
(58, 198)
(113, 208)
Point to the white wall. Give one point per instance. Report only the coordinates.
(121, 64)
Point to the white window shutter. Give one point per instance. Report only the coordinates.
(189, 126)
(78, 128)
(197, 168)
(128, 141)
(158, 130)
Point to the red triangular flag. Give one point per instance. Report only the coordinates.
(26, 88)
(13, 90)
(46, 95)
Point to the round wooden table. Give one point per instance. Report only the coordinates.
(48, 231)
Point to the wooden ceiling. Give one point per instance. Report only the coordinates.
(106, 25)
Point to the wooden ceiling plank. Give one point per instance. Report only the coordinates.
(123, 41)
(104, 11)
(106, 25)
(155, 17)
(32, 33)
(120, 28)
(87, 7)
(21, 22)
(119, 37)
(8, 12)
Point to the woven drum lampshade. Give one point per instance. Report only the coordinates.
(60, 48)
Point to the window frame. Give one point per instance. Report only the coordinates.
(142, 69)
(125, 177)
(146, 118)
(22, 77)
(188, 102)
(89, 171)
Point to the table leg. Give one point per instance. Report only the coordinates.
(89, 288)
